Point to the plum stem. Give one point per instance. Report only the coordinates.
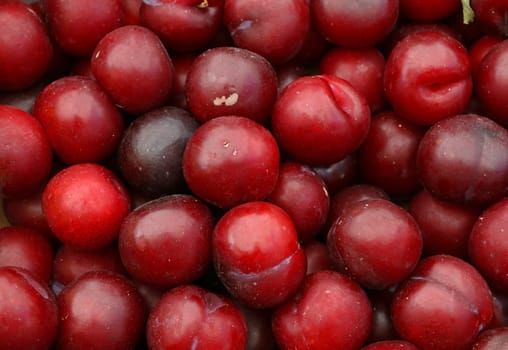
(467, 12)
(203, 4)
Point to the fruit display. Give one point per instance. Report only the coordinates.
(253, 174)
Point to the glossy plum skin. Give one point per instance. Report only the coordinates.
(442, 290)
(204, 320)
(436, 85)
(349, 195)
(303, 195)
(253, 23)
(78, 26)
(256, 254)
(100, 310)
(134, 68)
(488, 247)
(69, 263)
(92, 123)
(215, 89)
(407, 28)
(387, 157)
(352, 23)
(356, 239)
(491, 14)
(491, 79)
(184, 25)
(29, 311)
(464, 159)
(182, 64)
(479, 50)
(151, 150)
(318, 120)
(26, 50)
(76, 214)
(445, 226)
(25, 153)
(329, 312)
(26, 248)
(491, 339)
(167, 241)
(130, 10)
(362, 68)
(27, 211)
(231, 160)
(428, 11)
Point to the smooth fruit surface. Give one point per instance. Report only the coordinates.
(92, 123)
(444, 304)
(464, 159)
(100, 310)
(28, 309)
(487, 244)
(135, 69)
(231, 160)
(319, 120)
(26, 50)
(329, 312)
(214, 88)
(76, 214)
(23, 144)
(356, 239)
(256, 254)
(203, 320)
(167, 241)
(428, 77)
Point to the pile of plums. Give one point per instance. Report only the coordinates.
(254, 174)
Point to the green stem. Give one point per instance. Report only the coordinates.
(467, 12)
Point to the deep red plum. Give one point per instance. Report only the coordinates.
(203, 320)
(303, 195)
(464, 159)
(25, 153)
(488, 245)
(445, 226)
(231, 160)
(85, 205)
(77, 26)
(387, 157)
(93, 124)
(356, 238)
(28, 249)
(26, 50)
(231, 81)
(319, 120)
(329, 312)
(100, 310)
(354, 23)
(428, 77)
(29, 311)
(167, 241)
(256, 254)
(134, 68)
(183, 25)
(444, 304)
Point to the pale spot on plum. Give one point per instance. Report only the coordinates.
(230, 100)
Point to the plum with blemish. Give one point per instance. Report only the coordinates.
(231, 81)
